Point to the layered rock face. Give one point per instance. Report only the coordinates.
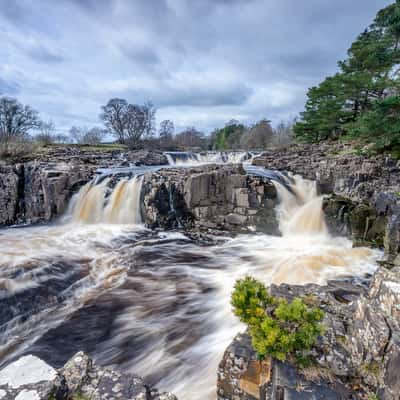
(31, 378)
(359, 354)
(209, 197)
(34, 192)
(38, 191)
(365, 201)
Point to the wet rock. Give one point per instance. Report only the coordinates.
(358, 355)
(31, 378)
(39, 190)
(209, 197)
(364, 205)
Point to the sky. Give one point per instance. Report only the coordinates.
(201, 62)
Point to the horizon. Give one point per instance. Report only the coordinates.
(199, 67)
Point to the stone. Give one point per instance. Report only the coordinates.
(39, 190)
(364, 202)
(30, 378)
(26, 370)
(359, 353)
(208, 197)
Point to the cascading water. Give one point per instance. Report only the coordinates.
(122, 207)
(300, 209)
(153, 303)
(210, 157)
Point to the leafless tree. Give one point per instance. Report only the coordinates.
(16, 122)
(61, 138)
(136, 124)
(166, 133)
(130, 123)
(284, 133)
(190, 138)
(150, 119)
(114, 117)
(83, 135)
(46, 133)
(94, 135)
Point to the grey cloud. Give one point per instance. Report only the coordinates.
(234, 95)
(200, 61)
(42, 54)
(140, 55)
(9, 88)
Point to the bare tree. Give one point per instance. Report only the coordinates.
(136, 124)
(114, 117)
(94, 135)
(284, 133)
(130, 123)
(150, 119)
(16, 122)
(83, 135)
(190, 138)
(166, 133)
(46, 133)
(61, 138)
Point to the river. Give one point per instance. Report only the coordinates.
(151, 302)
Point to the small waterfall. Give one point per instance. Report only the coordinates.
(95, 204)
(300, 208)
(181, 158)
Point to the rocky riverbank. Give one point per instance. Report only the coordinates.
(80, 378)
(359, 355)
(209, 197)
(364, 201)
(39, 190)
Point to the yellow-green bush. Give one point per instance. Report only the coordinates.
(278, 328)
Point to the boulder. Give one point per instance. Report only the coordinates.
(358, 355)
(209, 197)
(30, 378)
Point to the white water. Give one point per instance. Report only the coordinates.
(123, 206)
(159, 303)
(210, 157)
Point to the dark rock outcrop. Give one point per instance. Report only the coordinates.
(34, 192)
(365, 201)
(31, 378)
(38, 191)
(358, 355)
(209, 197)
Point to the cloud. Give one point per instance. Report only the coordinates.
(9, 88)
(201, 62)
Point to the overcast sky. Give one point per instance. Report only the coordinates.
(201, 62)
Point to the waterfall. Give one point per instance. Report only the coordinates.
(95, 204)
(182, 158)
(300, 208)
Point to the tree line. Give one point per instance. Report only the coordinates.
(360, 102)
(133, 125)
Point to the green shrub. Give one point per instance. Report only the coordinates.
(278, 328)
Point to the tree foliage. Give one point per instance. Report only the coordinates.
(229, 136)
(278, 328)
(236, 136)
(341, 103)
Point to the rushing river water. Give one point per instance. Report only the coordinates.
(153, 303)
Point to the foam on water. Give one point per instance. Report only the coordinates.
(156, 304)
